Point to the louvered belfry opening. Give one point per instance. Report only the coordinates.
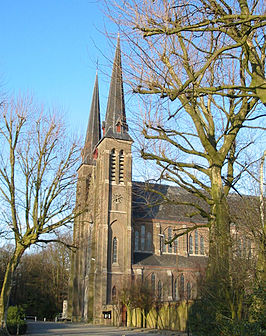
(121, 166)
(112, 166)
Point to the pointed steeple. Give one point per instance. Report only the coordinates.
(93, 134)
(115, 125)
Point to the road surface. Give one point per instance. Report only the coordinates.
(76, 329)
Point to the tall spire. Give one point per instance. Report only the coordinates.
(115, 125)
(93, 134)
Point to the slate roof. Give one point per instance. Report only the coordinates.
(149, 205)
(169, 260)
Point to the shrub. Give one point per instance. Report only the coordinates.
(16, 320)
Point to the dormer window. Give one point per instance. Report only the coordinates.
(103, 127)
(118, 127)
(95, 154)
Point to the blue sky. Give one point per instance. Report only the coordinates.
(50, 48)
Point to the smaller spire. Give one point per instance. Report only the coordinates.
(93, 134)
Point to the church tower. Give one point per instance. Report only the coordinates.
(114, 184)
(83, 226)
(102, 264)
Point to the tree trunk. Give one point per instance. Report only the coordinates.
(218, 274)
(219, 249)
(261, 272)
(8, 279)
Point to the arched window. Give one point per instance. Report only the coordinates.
(112, 166)
(184, 242)
(196, 242)
(114, 250)
(249, 248)
(114, 294)
(149, 244)
(239, 248)
(201, 245)
(163, 243)
(121, 166)
(244, 248)
(175, 245)
(160, 290)
(136, 240)
(153, 282)
(188, 290)
(190, 250)
(175, 289)
(142, 237)
(182, 286)
(169, 238)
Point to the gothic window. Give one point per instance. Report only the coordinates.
(163, 243)
(188, 290)
(184, 239)
(112, 166)
(136, 240)
(121, 166)
(249, 248)
(175, 245)
(244, 248)
(239, 248)
(142, 238)
(153, 282)
(169, 238)
(196, 242)
(160, 290)
(175, 290)
(182, 286)
(114, 250)
(201, 245)
(113, 293)
(149, 243)
(190, 244)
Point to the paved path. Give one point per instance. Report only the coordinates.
(76, 329)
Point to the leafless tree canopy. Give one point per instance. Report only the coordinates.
(201, 61)
(38, 162)
(200, 69)
(196, 48)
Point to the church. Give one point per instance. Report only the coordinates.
(122, 236)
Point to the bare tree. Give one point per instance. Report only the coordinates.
(138, 295)
(187, 40)
(41, 279)
(202, 61)
(37, 176)
(201, 67)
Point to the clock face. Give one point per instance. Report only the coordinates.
(117, 198)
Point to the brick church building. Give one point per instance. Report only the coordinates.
(121, 237)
